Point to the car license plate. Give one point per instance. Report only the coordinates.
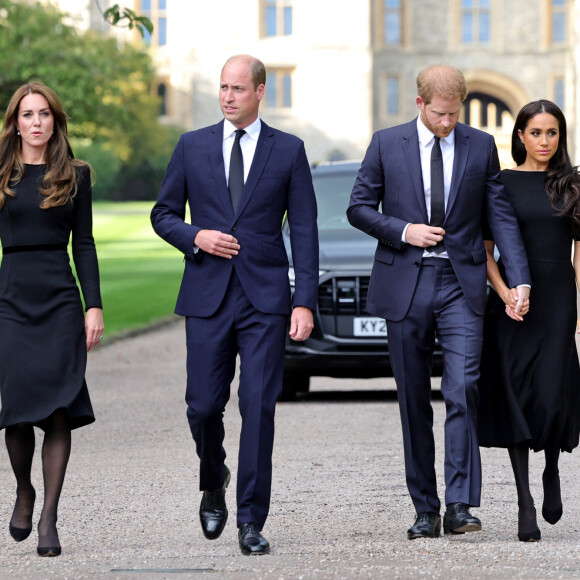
(369, 326)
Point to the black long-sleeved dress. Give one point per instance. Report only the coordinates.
(530, 376)
(43, 352)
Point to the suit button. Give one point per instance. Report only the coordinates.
(234, 228)
(417, 264)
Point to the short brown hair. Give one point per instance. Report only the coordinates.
(442, 80)
(257, 68)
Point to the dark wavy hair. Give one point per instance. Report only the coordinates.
(563, 179)
(59, 183)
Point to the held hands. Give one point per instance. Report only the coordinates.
(424, 236)
(94, 327)
(301, 323)
(517, 302)
(217, 243)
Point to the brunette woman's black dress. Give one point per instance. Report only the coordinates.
(530, 376)
(42, 337)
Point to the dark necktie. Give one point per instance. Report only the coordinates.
(437, 191)
(236, 177)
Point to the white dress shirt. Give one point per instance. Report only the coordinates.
(248, 144)
(447, 144)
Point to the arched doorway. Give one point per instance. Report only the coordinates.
(491, 105)
(490, 114)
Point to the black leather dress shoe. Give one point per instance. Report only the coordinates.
(213, 512)
(252, 543)
(427, 525)
(458, 520)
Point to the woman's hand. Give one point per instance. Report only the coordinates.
(94, 327)
(510, 299)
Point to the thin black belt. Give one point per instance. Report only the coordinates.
(33, 248)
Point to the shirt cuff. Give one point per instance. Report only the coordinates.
(404, 234)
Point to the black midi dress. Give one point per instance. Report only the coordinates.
(530, 376)
(43, 351)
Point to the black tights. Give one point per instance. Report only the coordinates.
(519, 457)
(551, 478)
(55, 454)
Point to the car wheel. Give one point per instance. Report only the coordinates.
(293, 384)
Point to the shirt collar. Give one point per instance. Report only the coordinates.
(426, 136)
(253, 130)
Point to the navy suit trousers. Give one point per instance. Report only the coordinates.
(212, 346)
(438, 309)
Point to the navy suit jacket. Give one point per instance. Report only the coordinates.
(391, 177)
(279, 181)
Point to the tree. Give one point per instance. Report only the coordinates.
(119, 16)
(105, 87)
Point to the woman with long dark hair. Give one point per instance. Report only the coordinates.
(45, 196)
(530, 375)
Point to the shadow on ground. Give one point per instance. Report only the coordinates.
(357, 396)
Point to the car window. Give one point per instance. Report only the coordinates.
(333, 195)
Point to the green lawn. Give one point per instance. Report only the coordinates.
(140, 273)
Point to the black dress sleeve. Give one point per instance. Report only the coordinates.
(83, 243)
(487, 235)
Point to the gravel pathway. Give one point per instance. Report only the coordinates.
(340, 508)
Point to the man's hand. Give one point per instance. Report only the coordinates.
(424, 236)
(301, 323)
(217, 243)
(518, 303)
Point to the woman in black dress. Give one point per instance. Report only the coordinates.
(45, 196)
(530, 376)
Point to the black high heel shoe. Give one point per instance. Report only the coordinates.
(20, 534)
(552, 516)
(529, 536)
(534, 536)
(50, 551)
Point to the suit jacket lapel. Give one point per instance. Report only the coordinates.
(216, 160)
(460, 155)
(261, 155)
(410, 144)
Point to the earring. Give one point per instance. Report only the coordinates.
(18, 131)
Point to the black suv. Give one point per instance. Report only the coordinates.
(346, 340)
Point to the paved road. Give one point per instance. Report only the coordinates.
(339, 509)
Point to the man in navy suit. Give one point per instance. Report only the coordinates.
(239, 177)
(435, 181)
